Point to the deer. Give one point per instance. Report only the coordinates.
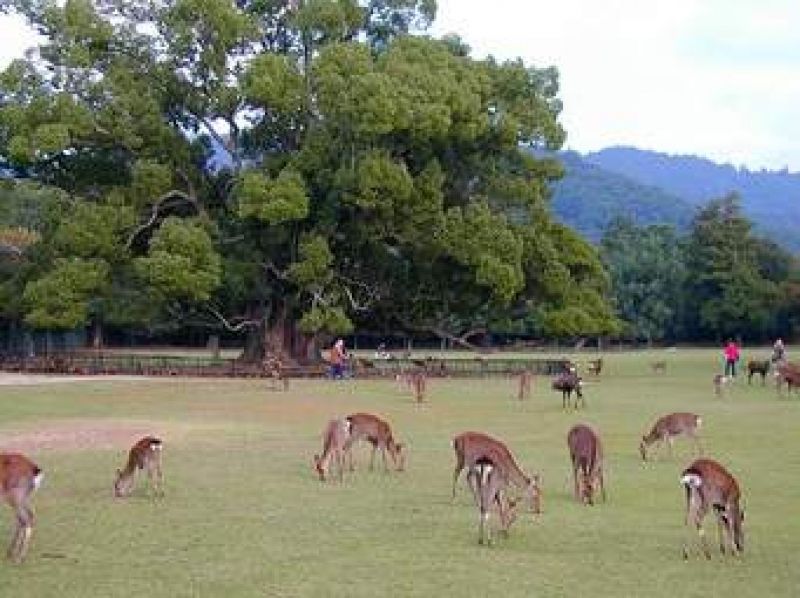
(669, 427)
(524, 382)
(659, 366)
(720, 383)
(145, 454)
(470, 447)
(595, 366)
(488, 483)
(334, 438)
(760, 367)
(788, 373)
(419, 384)
(369, 427)
(709, 485)
(19, 479)
(586, 454)
(569, 382)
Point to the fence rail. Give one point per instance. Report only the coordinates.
(93, 363)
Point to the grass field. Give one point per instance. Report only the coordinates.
(244, 514)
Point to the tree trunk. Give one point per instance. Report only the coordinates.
(97, 334)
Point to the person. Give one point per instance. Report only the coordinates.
(338, 357)
(778, 351)
(731, 353)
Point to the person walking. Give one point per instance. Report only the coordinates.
(731, 353)
(338, 357)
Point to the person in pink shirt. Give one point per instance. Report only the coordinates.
(731, 353)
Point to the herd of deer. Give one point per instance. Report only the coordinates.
(492, 471)
(491, 468)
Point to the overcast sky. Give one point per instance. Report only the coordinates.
(718, 78)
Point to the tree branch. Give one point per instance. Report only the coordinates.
(161, 202)
(229, 326)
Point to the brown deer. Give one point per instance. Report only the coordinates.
(709, 485)
(19, 478)
(470, 447)
(365, 426)
(334, 438)
(788, 373)
(524, 382)
(419, 384)
(595, 366)
(669, 427)
(488, 483)
(145, 454)
(659, 366)
(586, 454)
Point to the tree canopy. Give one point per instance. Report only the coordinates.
(373, 179)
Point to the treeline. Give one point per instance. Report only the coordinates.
(717, 280)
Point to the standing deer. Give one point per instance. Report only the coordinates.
(471, 447)
(365, 426)
(19, 478)
(488, 483)
(669, 427)
(586, 454)
(709, 485)
(760, 367)
(334, 438)
(569, 382)
(419, 383)
(659, 366)
(145, 454)
(524, 384)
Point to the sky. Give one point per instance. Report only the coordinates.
(715, 78)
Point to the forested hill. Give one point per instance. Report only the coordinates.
(771, 199)
(589, 196)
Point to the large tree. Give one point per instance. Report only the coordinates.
(370, 177)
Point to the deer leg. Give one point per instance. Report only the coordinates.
(160, 478)
(669, 446)
(722, 533)
(575, 480)
(602, 485)
(383, 457)
(151, 480)
(456, 473)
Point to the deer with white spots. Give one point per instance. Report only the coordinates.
(710, 486)
(19, 478)
(334, 438)
(488, 483)
(472, 447)
(145, 454)
(365, 426)
(669, 427)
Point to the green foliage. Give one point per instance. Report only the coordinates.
(646, 265)
(313, 267)
(332, 320)
(274, 201)
(62, 298)
(181, 262)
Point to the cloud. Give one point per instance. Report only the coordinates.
(712, 78)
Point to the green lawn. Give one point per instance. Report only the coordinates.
(244, 514)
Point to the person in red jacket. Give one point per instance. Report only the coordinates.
(731, 353)
(338, 357)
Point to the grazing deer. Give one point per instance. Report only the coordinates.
(19, 478)
(758, 367)
(659, 367)
(720, 384)
(488, 483)
(365, 426)
(569, 382)
(524, 382)
(586, 454)
(470, 447)
(709, 485)
(669, 427)
(145, 454)
(334, 438)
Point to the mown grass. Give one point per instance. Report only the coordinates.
(244, 515)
